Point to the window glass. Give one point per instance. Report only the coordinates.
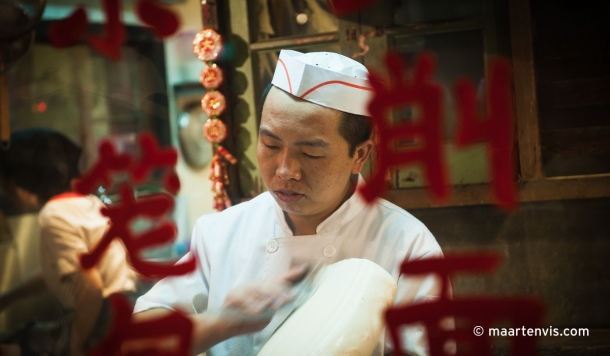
(571, 55)
(282, 18)
(458, 54)
(413, 11)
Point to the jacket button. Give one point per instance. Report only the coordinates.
(329, 251)
(272, 246)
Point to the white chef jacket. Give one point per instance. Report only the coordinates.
(69, 227)
(251, 242)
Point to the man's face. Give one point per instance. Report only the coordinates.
(303, 159)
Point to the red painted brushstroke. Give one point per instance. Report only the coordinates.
(109, 44)
(153, 156)
(129, 338)
(122, 215)
(67, 32)
(109, 162)
(482, 312)
(496, 129)
(171, 182)
(426, 131)
(344, 7)
(164, 22)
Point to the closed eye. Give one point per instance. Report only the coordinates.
(271, 147)
(313, 157)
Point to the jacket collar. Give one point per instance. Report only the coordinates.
(344, 214)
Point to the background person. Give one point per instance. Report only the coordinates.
(36, 173)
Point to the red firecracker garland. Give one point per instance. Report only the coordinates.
(211, 76)
(207, 46)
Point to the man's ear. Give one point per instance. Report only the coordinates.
(361, 154)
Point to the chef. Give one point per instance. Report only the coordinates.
(314, 139)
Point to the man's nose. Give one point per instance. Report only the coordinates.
(289, 167)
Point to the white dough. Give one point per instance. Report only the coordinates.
(343, 317)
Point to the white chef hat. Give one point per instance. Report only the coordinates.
(324, 78)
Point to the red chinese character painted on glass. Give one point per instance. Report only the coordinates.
(164, 22)
(109, 44)
(169, 335)
(155, 157)
(122, 215)
(397, 92)
(496, 128)
(68, 31)
(343, 7)
(478, 313)
(110, 162)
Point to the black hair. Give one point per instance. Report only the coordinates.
(41, 161)
(355, 129)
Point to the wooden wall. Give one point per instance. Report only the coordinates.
(572, 56)
(558, 250)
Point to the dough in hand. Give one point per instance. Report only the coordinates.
(343, 317)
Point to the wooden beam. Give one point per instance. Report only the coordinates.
(576, 141)
(566, 118)
(234, 14)
(526, 103)
(5, 120)
(563, 188)
(294, 42)
(575, 92)
(433, 28)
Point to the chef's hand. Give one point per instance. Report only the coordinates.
(246, 309)
(255, 298)
(243, 311)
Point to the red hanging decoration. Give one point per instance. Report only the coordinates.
(219, 178)
(211, 76)
(229, 157)
(207, 46)
(213, 103)
(215, 131)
